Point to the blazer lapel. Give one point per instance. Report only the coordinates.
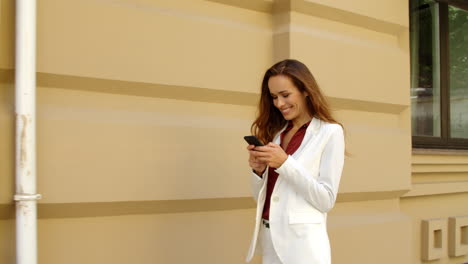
(312, 129)
(277, 140)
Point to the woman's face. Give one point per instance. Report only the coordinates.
(288, 99)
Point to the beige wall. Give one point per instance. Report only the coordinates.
(141, 109)
(439, 192)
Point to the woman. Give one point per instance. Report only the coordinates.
(296, 175)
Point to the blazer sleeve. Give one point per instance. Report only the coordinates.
(256, 183)
(321, 192)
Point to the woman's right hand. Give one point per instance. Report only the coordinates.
(258, 166)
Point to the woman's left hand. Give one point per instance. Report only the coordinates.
(272, 154)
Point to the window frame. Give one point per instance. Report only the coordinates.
(444, 141)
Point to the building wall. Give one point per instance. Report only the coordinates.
(439, 192)
(141, 110)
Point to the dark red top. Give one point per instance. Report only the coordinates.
(293, 145)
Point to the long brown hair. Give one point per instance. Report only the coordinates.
(270, 120)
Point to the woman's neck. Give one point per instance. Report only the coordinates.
(300, 121)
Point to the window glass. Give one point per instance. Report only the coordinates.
(425, 69)
(458, 63)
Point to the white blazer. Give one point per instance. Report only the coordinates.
(305, 191)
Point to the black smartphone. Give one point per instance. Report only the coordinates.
(253, 140)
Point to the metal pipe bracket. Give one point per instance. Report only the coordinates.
(27, 197)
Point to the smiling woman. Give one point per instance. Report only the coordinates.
(289, 100)
(296, 175)
(288, 75)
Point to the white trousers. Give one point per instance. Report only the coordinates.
(269, 253)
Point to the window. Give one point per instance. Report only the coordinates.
(439, 73)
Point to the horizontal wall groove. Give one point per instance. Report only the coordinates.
(133, 88)
(321, 11)
(437, 188)
(101, 209)
(441, 163)
(433, 177)
(366, 106)
(425, 153)
(264, 6)
(348, 17)
(418, 172)
(369, 196)
(446, 168)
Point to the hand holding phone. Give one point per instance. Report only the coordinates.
(253, 140)
(258, 167)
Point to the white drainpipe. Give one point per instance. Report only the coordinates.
(25, 107)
